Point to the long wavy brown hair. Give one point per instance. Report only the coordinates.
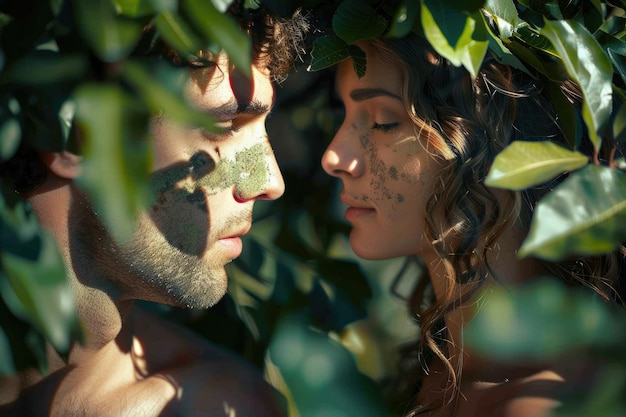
(466, 121)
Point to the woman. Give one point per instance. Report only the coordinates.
(416, 143)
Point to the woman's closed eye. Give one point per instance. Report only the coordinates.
(385, 127)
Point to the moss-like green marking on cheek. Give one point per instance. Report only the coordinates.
(247, 171)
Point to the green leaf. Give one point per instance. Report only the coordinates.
(589, 66)
(116, 157)
(586, 214)
(43, 67)
(525, 164)
(221, 5)
(162, 89)
(222, 30)
(567, 115)
(458, 37)
(539, 321)
(619, 124)
(358, 60)
(6, 358)
(111, 38)
(356, 20)
(178, 34)
(315, 366)
(476, 48)
(134, 8)
(619, 62)
(10, 135)
(504, 13)
(327, 51)
(38, 292)
(403, 19)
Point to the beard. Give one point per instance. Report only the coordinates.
(156, 264)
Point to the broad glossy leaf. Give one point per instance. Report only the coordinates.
(43, 67)
(116, 158)
(456, 36)
(476, 48)
(619, 124)
(110, 37)
(162, 89)
(613, 25)
(539, 321)
(327, 51)
(524, 164)
(163, 6)
(589, 66)
(505, 16)
(221, 5)
(42, 291)
(10, 135)
(403, 19)
(222, 30)
(585, 214)
(359, 61)
(315, 366)
(178, 34)
(568, 118)
(6, 358)
(444, 26)
(19, 230)
(135, 8)
(619, 62)
(356, 20)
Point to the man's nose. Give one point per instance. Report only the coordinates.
(261, 179)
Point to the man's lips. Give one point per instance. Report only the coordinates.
(233, 243)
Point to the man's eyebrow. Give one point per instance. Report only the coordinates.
(361, 94)
(232, 108)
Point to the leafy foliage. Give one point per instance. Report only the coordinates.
(72, 63)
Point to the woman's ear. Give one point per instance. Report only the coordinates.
(64, 164)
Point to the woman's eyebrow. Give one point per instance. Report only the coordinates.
(361, 94)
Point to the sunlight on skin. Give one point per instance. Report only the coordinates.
(247, 171)
(230, 412)
(141, 366)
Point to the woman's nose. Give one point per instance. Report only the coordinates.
(343, 156)
(260, 177)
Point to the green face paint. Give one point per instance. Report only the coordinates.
(247, 171)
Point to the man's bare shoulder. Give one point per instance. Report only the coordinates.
(205, 377)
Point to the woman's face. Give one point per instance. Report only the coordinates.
(387, 174)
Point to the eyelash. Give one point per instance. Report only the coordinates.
(385, 127)
(222, 133)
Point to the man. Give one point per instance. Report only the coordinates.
(131, 363)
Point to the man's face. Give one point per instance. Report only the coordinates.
(205, 185)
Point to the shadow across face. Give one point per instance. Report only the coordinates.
(180, 209)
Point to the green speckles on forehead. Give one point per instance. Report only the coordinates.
(247, 171)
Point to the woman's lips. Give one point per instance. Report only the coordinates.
(355, 213)
(354, 210)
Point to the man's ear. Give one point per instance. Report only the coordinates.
(63, 164)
